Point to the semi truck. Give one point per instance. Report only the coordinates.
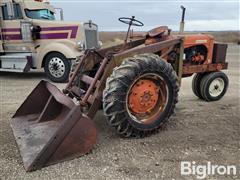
(31, 37)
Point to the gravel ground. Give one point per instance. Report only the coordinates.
(199, 131)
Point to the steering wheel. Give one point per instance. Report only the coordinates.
(130, 21)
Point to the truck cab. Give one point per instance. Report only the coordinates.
(32, 38)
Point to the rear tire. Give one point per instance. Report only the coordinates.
(214, 86)
(146, 68)
(57, 67)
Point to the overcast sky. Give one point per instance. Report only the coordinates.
(200, 15)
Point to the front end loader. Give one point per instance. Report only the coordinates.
(135, 83)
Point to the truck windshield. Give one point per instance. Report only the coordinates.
(40, 14)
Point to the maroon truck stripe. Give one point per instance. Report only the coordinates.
(11, 30)
(45, 35)
(12, 37)
(72, 28)
(54, 36)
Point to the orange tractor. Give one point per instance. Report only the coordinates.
(135, 83)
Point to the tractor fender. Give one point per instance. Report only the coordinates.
(69, 51)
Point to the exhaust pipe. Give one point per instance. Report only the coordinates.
(182, 20)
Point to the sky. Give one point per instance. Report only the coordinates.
(202, 15)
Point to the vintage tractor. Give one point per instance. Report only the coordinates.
(135, 83)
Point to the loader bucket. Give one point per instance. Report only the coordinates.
(49, 127)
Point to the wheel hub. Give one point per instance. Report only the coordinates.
(56, 67)
(143, 96)
(216, 87)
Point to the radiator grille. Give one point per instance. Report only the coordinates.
(91, 38)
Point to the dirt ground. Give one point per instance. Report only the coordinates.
(199, 131)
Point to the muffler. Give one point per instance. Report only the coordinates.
(49, 128)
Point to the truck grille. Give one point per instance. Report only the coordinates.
(91, 38)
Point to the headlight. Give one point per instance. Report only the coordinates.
(81, 45)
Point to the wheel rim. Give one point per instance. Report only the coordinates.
(147, 98)
(56, 67)
(216, 87)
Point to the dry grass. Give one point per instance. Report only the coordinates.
(111, 38)
(231, 36)
(223, 36)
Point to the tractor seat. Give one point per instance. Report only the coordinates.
(158, 34)
(159, 31)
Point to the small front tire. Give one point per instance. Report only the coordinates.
(214, 86)
(196, 84)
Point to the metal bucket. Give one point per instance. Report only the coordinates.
(49, 127)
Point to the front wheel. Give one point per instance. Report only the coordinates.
(140, 95)
(213, 86)
(57, 67)
(196, 84)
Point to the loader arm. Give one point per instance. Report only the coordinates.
(93, 95)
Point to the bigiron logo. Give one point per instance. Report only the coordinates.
(201, 171)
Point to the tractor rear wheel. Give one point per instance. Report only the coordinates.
(213, 86)
(140, 95)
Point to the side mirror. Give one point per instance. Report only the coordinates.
(36, 32)
(10, 10)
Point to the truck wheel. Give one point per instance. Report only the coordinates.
(213, 86)
(57, 67)
(196, 84)
(140, 95)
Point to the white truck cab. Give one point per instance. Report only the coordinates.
(31, 38)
